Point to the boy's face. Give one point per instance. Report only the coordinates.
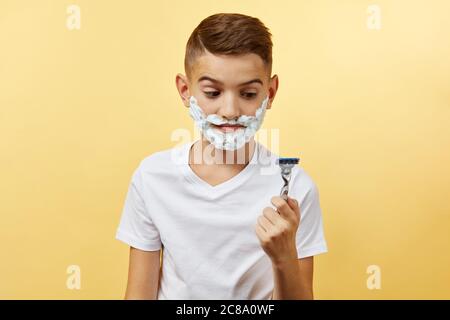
(228, 85)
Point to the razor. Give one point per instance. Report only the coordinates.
(286, 165)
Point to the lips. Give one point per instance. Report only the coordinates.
(229, 127)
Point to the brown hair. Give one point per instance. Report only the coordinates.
(229, 34)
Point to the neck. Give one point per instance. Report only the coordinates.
(203, 152)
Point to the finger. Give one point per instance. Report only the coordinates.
(260, 232)
(283, 208)
(293, 203)
(265, 223)
(273, 216)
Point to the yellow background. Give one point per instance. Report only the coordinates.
(368, 111)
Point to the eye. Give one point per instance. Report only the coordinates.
(211, 94)
(249, 95)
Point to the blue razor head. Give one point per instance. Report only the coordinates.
(288, 160)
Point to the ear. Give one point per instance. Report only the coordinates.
(182, 84)
(273, 88)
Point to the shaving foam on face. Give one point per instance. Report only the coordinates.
(227, 140)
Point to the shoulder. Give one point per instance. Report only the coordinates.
(303, 184)
(164, 159)
(161, 162)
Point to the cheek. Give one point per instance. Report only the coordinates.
(207, 105)
(249, 108)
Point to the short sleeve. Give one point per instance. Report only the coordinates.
(310, 237)
(136, 227)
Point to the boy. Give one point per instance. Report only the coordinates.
(210, 218)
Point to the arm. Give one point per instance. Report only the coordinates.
(276, 230)
(143, 275)
(293, 279)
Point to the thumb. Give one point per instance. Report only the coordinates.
(294, 205)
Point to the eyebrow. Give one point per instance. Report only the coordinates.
(242, 84)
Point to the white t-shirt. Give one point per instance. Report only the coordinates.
(211, 250)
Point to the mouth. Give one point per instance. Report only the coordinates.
(228, 127)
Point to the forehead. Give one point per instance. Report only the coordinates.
(229, 69)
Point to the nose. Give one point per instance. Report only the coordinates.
(229, 109)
